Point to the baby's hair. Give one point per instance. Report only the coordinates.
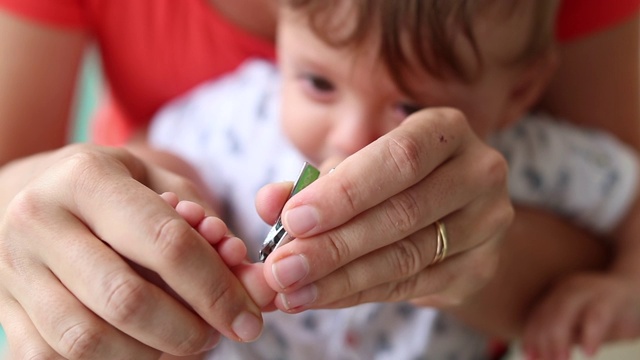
(422, 30)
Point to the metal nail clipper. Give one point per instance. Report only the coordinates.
(278, 236)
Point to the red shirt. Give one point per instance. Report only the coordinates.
(155, 50)
(152, 51)
(577, 18)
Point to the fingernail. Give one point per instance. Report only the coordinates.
(300, 220)
(247, 326)
(290, 270)
(299, 298)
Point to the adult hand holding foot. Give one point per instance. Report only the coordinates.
(88, 214)
(365, 232)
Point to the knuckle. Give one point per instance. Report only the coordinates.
(81, 162)
(125, 299)
(80, 171)
(337, 249)
(497, 220)
(403, 212)
(404, 154)
(406, 258)
(495, 169)
(402, 290)
(79, 341)
(173, 240)
(25, 208)
(348, 283)
(220, 296)
(348, 191)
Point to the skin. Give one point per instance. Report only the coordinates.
(88, 197)
(330, 110)
(32, 94)
(37, 95)
(231, 249)
(588, 308)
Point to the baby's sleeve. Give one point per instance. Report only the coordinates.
(584, 174)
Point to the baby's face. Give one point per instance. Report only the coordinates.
(338, 100)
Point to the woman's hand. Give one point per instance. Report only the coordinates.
(72, 222)
(365, 232)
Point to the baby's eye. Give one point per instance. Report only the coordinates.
(319, 83)
(405, 109)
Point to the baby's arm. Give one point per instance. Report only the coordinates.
(589, 308)
(591, 178)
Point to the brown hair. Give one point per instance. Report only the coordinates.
(428, 27)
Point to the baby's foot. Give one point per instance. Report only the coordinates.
(230, 248)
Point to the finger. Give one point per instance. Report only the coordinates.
(306, 260)
(598, 321)
(554, 322)
(71, 330)
(442, 192)
(394, 262)
(116, 293)
(164, 242)
(24, 340)
(439, 285)
(271, 198)
(394, 162)
(442, 285)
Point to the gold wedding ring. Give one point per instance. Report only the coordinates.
(442, 243)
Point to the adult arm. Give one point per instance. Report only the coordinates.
(598, 82)
(37, 78)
